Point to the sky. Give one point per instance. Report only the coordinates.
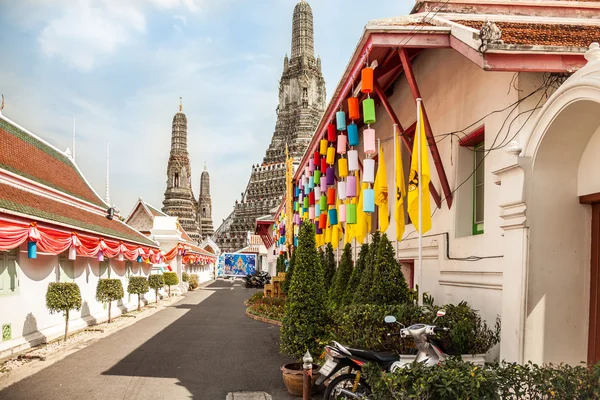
(120, 66)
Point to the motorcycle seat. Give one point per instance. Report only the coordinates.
(379, 357)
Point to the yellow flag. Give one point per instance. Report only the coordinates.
(414, 180)
(319, 240)
(400, 191)
(349, 229)
(381, 193)
(327, 230)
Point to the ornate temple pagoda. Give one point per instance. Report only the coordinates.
(301, 105)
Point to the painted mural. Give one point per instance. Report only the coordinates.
(231, 264)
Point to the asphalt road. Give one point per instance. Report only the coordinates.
(203, 347)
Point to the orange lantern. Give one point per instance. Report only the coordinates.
(353, 109)
(367, 80)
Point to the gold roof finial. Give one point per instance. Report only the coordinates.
(180, 103)
(205, 165)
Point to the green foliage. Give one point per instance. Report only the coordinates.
(63, 297)
(193, 281)
(357, 272)
(388, 286)
(156, 282)
(281, 262)
(109, 290)
(456, 379)
(267, 307)
(184, 276)
(342, 276)
(306, 315)
(170, 278)
(255, 298)
(137, 285)
(289, 274)
(363, 292)
(328, 266)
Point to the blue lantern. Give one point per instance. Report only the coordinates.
(31, 249)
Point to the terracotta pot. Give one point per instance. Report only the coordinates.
(293, 377)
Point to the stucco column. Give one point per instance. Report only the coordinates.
(516, 243)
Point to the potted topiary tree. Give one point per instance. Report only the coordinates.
(341, 278)
(357, 272)
(109, 290)
(170, 280)
(138, 285)
(388, 284)
(305, 316)
(63, 297)
(156, 281)
(328, 266)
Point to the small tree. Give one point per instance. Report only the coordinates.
(342, 276)
(389, 286)
(359, 268)
(305, 317)
(184, 276)
(156, 281)
(193, 281)
(109, 290)
(289, 274)
(329, 266)
(63, 297)
(363, 292)
(138, 285)
(170, 280)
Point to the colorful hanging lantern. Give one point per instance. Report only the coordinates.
(311, 199)
(343, 167)
(330, 179)
(296, 241)
(369, 141)
(367, 80)
(351, 186)
(369, 111)
(369, 200)
(139, 259)
(323, 202)
(306, 171)
(311, 213)
(317, 159)
(317, 175)
(331, 196)
(353, 160)
(342, 190)
(368, 170)
(341, 144)
(317, 211)
(342, 213)
(306, 204)
(311, 182)
(311, 165)
(353, 109)
(352, 135)
(323, 183)
(330, 155)
(297, 191)
(333, 217)
(100, 256)
(306, 189)
(317, 193)
(318, 229)
(31, 249)
(340, 118)
(323, 147)
(323, 221)
(121, 257)
(323, 164)
(73, 253)
(351, 213)
(295, 206)
(331, 133)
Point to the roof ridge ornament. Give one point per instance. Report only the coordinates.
(593, 54)
(490, 33)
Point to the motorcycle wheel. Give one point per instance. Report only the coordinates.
(345, 381)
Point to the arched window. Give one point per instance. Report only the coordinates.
(176, 180)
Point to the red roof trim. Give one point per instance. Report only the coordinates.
(473, 138)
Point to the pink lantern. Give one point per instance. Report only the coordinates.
(120, 257)
(307, 172)
(311, 213)
(72, 253)
(369, 141)
(342, 213)
(351, 186)
(341, 144)
(368, 170)
(100, 255)
(311, 165)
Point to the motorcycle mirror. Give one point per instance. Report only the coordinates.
(390, 319)
(441, 313)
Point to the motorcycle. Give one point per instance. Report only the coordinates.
(258, 280)
(351, 385)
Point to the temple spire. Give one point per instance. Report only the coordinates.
(180, 104)
(106, 190)
(303, 31)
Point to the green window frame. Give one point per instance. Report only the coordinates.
(66, 270)
(9, 273)
(478, 188)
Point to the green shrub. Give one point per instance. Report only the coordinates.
(388, 285)
(156, 282)
(193, 281)
(138, 285)
(109, 290)
(341, 278)
(363, 292)
(281, 263)
(170, 279)
(456, 379)
(357, 272)
(255, 298)
(267, 307)
(288, 275)
(328, 266)
(305, 317)
(63, 297)
(184, 276)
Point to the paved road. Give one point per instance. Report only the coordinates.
(203, 347)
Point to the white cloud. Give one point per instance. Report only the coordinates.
(181, 18)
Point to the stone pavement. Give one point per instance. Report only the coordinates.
(203, 347)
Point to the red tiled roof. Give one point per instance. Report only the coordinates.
(20, 201)
(25, 155)
(543, 34)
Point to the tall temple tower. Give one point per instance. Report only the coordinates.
(205, 223)
(301, 105)
(179, 198)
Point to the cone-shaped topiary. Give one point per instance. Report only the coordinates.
(305, 317)
(363, 292)
(156, 281)
(357, 272)
(342, 276)
(329, 266)
(63, 297)
(389, 286)
(138, 285)
(170, 279)
(289, 274)
(109, 290)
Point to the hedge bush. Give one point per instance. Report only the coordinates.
(363, 292)
(341, 278)
(184, 276)
(138, 285)
(456, 379)
(63, 297)
(388, 285)
(170, 279)
(156, 282)
(193, 281)
(109, 290)
(306, 315)
(357, 272)
(268, 307)
(328, 266)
